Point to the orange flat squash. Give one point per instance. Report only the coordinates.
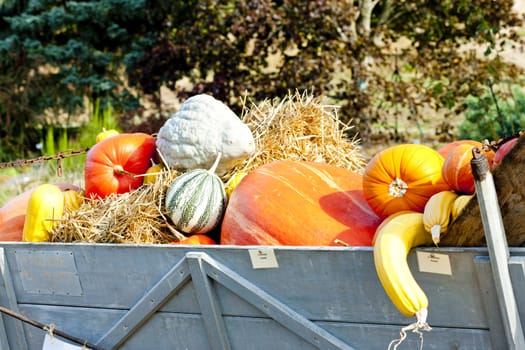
(445, 149)
(299, 203)
(457, 171)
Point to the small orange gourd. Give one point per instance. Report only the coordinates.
(445, 149)
(403, 177)
(114, 165)
(457, 170)
(196, 240)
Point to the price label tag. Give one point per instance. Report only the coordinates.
(263, 258)
(434, 263)
(54, 343)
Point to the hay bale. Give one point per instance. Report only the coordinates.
(137, 217)
(300, 127)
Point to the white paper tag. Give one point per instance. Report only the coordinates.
(54, 343)
(434, 263)
(263, 258)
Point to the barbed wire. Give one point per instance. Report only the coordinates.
(42, 159)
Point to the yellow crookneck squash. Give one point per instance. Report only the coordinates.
(45, 207)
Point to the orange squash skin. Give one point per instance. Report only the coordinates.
(445, 149)
(299, 203)
(111, 164)
(403, 177)
(196, 240)
(457, 170)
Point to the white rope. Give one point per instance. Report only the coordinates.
(416, 327)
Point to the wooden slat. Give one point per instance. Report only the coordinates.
(9, 325)
(460, 289)
(517, 274)
(498, 251)
(4, 345)
(326, 285)
(208, 301)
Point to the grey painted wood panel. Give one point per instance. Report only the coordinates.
(322, 284)
(335, 288)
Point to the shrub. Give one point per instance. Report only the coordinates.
(489, 117)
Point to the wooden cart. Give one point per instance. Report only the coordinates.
(259, 298)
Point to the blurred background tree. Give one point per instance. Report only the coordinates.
(385, 62)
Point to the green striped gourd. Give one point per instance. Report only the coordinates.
(196, 200)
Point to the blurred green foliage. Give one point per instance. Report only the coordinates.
(56, 56)
(59, 139)
(492, 117)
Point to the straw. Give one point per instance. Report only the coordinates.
(300, 127)
(138, 216)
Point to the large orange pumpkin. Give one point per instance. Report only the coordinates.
(457, 170)
(304, 203)
(403, 177)
(112, 164)
(13, 213)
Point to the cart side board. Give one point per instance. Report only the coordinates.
(193, 297)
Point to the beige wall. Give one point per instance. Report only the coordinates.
(519, 6)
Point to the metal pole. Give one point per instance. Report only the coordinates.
(47, 328)
(498, 249)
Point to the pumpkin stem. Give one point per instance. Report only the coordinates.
(119, 170)
(341, 242)
(215, 164)
(397, 188)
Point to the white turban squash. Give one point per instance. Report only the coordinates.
(201, 129)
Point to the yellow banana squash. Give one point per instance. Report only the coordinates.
(152, 173)
(394, 239)
(436, 215)
(459, 204)
(234, 181)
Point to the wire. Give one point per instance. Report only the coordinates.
(47, 328)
